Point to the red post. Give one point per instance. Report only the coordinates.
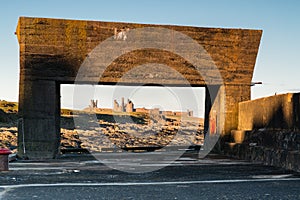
(4, 159)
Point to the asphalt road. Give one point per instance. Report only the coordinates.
(214, 177)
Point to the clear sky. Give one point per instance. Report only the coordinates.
(277, 66)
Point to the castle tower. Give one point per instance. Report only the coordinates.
(123, 105)
(116, 106)
(129, 106)
(93, 104)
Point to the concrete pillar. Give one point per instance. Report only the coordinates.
(39, 119)
(234, 95)
(211, 92)
(221, 110)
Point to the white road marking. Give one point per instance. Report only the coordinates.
(7, 188)
(147, 183)
(272, 176)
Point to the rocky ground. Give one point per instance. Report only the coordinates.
(103, 134)
(8, 138)
(97, 132)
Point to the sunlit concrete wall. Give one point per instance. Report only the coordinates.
(274, 112)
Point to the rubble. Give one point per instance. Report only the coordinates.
(8, 138)
(129, 135)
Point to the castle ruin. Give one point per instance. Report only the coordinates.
(128, 107)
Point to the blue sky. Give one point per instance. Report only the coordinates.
(277, 66)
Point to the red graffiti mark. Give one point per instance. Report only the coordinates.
(212, 126)
(213, 122)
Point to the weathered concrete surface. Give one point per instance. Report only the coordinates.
(274, 112)
(52, 50)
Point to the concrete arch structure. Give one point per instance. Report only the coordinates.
(52, 51)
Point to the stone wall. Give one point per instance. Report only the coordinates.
(280, 148)
(269, 131)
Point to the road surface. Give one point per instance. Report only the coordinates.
(83, 177)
